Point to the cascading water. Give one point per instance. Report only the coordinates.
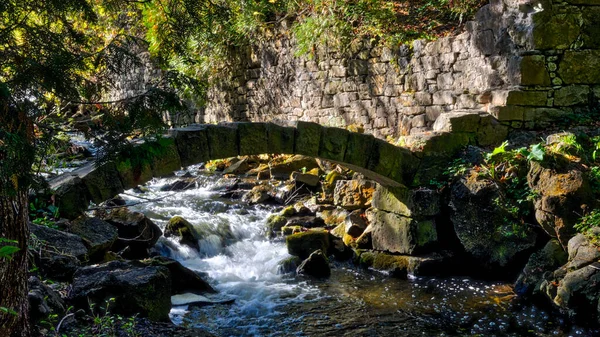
(242, 265)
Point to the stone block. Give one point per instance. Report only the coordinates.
(192, 144)
(443, 97)
(536, 98)
(511, 113)
(133, 176)
(580, 67)
(308, 139)
(433, 112)
(423, 98)
(72, 197)
(590, 29)
(457, 121)
(445, 81)
(353, 194)
(280, 139)
(333, 143)
(533, 71)
(558, 31)
(398, 234)
(392, 162)
(358, 67)
(222, 141)
(358, 149)
(253, 138)
(571, 95)
(490, 131)
(103, 182)
(166, 160)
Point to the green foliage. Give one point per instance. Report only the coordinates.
(8, 248)
(40, 213)
(588, 223)
(106, 324)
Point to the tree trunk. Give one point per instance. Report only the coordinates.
(13, 272)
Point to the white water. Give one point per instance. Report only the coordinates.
(243, 268)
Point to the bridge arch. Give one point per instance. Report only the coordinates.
(383, 162)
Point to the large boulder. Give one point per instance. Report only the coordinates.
(97, 235)
(184, 230)
(258, 194)
(482, 226)
(564, 192)
(575, 287)
(58, 254)
(183, 280)
(135, 288)
(137, 233)
(316, 265)
(353, 194)
(303, 244)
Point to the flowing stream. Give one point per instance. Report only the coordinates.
(242, 265)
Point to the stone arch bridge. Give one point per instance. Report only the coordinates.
(379, 160)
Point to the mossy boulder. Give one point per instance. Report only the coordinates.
(183, 280)
(275, 223)
(288, 265)
(97, 235)
(184, 230)
(401, 265)
(303, 244)
(395, 233)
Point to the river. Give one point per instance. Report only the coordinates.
(243, 265)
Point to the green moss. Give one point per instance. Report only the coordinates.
(303, 244)
(288, 211)
(426, 233)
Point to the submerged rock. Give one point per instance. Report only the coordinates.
(316, 265)
(137, 289)
(181, 228)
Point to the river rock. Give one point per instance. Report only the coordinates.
(353, 194)
(305, 221)
(282, 171)
(181, 228)
(58, 254)
(304, 179)
(545, 260)
(98, 235)
(564, 192)
(137, 233)
(479, 222)
(434, 264)
(137, 289)
(303, 244)
(183, 280)
(239, 167)
(274, 224)
(182, 184)
(288, 265)
(316, 265)
(43, 300)
(258, 194)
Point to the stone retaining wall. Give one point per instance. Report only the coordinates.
(529, 63)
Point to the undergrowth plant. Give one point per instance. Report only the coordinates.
(588, 223)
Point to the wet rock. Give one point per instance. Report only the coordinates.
(274, 224)
(181, 228)
(43, 300)
(137, 233)
(288, 265)
(480, 224)
(98, 236)
(564, 189)
(303, 244)
(353, 194)
(258, 194)
(399, 234)
(545, 260)
(316, 265)
(58, 254)
(182, 184)
(401, 265)
(137, 289)
(183, 280)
